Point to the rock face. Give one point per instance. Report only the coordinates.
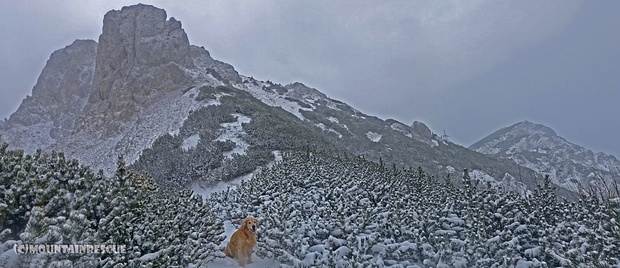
(139, 53)
(538, 147)
(60, 94)
(420, 129)
(207, 66)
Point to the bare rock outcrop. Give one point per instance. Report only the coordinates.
(59, 96)
(140, 54)
(420, 130)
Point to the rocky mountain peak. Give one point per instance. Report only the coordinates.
(529, 128)
(141, 35)
(140, 53)
(299, 90)
(56, 91)
(58, 97)
(538, 147)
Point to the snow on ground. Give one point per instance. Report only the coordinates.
(8, 256)
(161, 116)
(274, 99)
(435, 143)
(234, 132)
(151, 256)
(226, 262)
(230, 227)
(333, 119)
(324, 128)
(311, 99)
(482, 176)
(375, 137)
(450, 169)
(190, 96)
(207, 191)
(333, 106)
(291, 107)
(278, 155)
(507, 182)
(190, 142)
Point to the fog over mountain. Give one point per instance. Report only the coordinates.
(467, 67)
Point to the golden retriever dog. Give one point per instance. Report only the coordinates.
(242, 242)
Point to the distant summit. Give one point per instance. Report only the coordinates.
(538, 147)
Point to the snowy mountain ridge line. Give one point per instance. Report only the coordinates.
(133, 105)
(540, 148)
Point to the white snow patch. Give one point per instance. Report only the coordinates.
(508, 182)
(150, 256)
(175, 132)
(375, 137)
(9, 257)
(274, 99)
(291, 107)
(333, 106)
(190, 142)
(207, 191)
(214, 102)
(435, 143)
(234, 132)
(278, 156)
(311, 99)
(482, 176)
(333, 119)
(450, 169)
(324, 128)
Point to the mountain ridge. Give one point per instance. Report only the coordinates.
(540, 148)
(152, 90)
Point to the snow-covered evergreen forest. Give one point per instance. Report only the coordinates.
(316, 209)
(47, 199)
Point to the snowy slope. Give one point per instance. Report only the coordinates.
(165, 115)
(207, 190)
(538, 147)
(261, 91)
(234, 132)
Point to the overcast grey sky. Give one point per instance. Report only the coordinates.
(469, 67)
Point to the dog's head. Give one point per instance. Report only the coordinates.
(250, 223)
